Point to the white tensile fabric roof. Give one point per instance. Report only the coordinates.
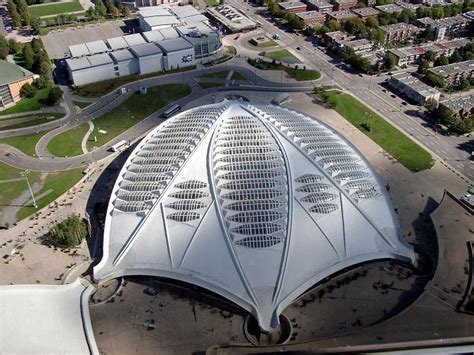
(255, 203)
(46, 319)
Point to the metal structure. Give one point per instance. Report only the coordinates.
(255, 203)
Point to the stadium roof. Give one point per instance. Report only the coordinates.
(10, 72)
(44, 319)
(255, 203)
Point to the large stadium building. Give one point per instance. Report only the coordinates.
(255, 203)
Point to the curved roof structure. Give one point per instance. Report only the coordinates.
(255, 203)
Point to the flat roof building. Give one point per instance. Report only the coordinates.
(341, 15)
(178, 53)
(462, 107)
(399, 32)
(114, 43)
(310, 18)
(389, 8)
(231, 18)
(454, 73)
(292, 6)
(413, 88)
(251, 202)
(366, 12)
(340, 5)
(319, 5)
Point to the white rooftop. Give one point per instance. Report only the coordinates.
(117, 43)
(162, 21)
(45, 319)
(145, 49)
(78, 50)
(255, 203)
(153, 36)
(135, 39)
(97, 47)
(185, 11)
(122, 55)
(150, 11)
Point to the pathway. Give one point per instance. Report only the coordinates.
(86, 137)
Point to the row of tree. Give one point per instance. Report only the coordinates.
(292, 20)
(107, 8)
(18, 10)
(443, 115)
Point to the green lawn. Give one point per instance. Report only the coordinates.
(209, 85)
(405, 150)
(68, 144)
(282, 54)
(26, 104)
(216, 75)
(54, 9)
(26, 143)
(267, 44)
(231, 50)
(39, 118)
(212, 2)
(101, 88)
(297, 74)
(237, 76)
(82, 104)
(136, 108)
(59, 183)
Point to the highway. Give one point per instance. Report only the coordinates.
(369, 90)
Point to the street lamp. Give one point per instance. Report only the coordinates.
(25, 173)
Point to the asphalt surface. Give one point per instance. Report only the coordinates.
(369, 90)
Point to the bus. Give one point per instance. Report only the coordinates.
(119, 145)
(171, 111)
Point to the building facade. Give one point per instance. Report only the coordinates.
(310, 18)
(454, 73)
(12, 78)
(292, 6)
(416, 91)
(399, 32)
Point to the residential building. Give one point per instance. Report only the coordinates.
(408, 5)
(337, 38)
(319, 5)
(341, 15)
(342, 41)
(410, 86)
(340, 5)
(146, 3)
(389, 8)
(359, 46)
(365, 12)
(231, 19)
(454, 73)
(449, 26)
(292, 6)
(399, 32)
(12, 78)
(462, 107)
(311, 18)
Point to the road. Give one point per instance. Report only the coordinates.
(369, 90)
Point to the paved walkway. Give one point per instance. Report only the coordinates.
(86, 137)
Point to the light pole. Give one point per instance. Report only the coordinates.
(25, 173)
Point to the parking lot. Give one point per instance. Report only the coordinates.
(57, 42)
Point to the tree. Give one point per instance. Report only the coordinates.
(27, 90)
(22, 7)
(4, 48)
(100, 8)
(354, 26)
(15, 16)
(407, 16)
(434, 80)
(68, 233)
(441, 60)
(464, 85)
(28, 56)
(108, 5)
(455, 57)
(333, 26)
(91, 13)
(372, 22)
(423, 67)
(390, 61)
(41, 82)
(13, 46)
(35, 25)
(437, 12)
(37, 45)
(431, 104)
(429, 55)
(54, 96)
(125, 10)
(114, 11)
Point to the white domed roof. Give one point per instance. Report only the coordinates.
(255, 203)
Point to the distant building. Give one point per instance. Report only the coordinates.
(365, 12)
(359, 46)
(232, 19)
(399, 32)
(408, 5)
(340, 5)
(341, 15)
(449, 26)
(311, 18)
(462, 107)
(12, 78)
(389, 8)
(454, 73)
(292, 6)
(414, 89)
(319, 5)
(342, 41)
(145, 3)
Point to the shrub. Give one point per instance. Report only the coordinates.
(41, 82)
(55, 94)
(27, 90)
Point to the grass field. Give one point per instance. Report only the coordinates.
(68, 144)
(136, 108)
(39, 118)
(81, 104)
(57, 183)
(231, 50)
(212, 2)
(103, 87)
(26, 104)
(209, 85)
(237, 76)
(297, 74)
(282, 54)
(269, 43)
(401, 147)
(26, 143)
(216, 75)
(54, 9)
